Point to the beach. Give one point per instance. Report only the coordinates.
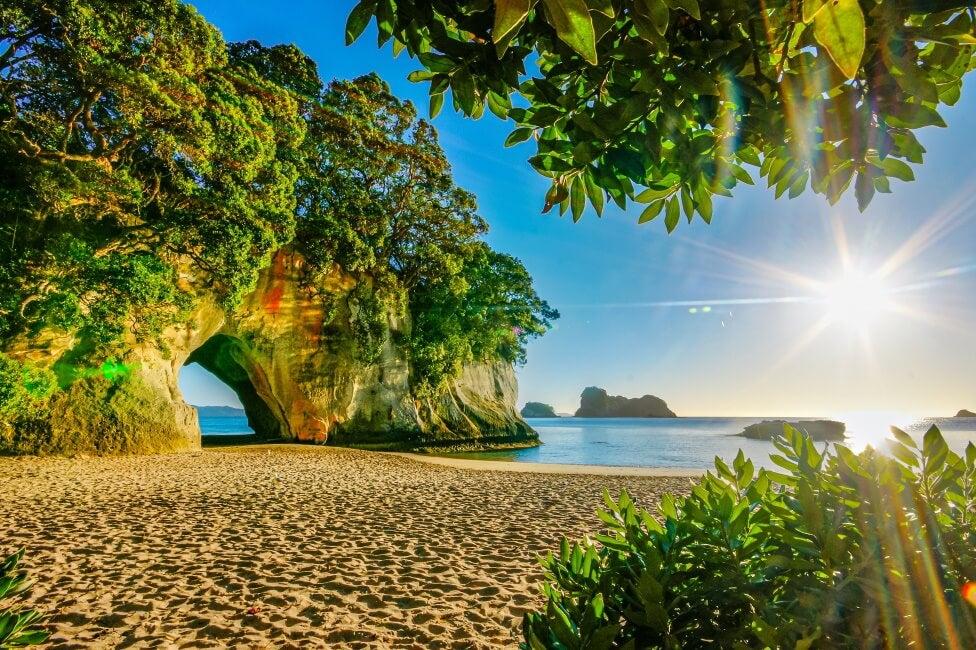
(290, 546)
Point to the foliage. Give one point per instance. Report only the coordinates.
(132, 148)
(24, 387)
(487, 311)
(144, 162)
(17, 625)
(377, 199)
(670, 102)
(841, 550)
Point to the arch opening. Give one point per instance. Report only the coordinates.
(227, 358)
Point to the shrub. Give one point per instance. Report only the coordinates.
(16, 623)
(839, 550)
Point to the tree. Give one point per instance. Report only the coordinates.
(132, 149)
(670, 102)
(377, 199)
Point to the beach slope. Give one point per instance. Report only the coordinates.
(291, 546)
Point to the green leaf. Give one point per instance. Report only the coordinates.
(420, 75)
(358, 19)
(499, 104)
(436, 104)
(650, 212)
(462, 85)
(656, 12)
(577, 198)
(811, 8)
(863, 190)
(689, 6)
(839, 28)
(509, 17)
(519, 135)
(437, 62)
(574, 26)
(594, 193)
(673, 214)
(652, 194)
(897, 169)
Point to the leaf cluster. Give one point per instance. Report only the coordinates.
(134, 148)
(17, 625)
(837, 550)
(24, 388)
(670, 103)
(377, 199)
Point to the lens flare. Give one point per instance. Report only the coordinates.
(969, 593)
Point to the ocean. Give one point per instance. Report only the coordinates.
(688, 443)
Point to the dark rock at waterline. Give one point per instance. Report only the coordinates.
(965, 414)
(816, 429)
(538, 410)
(595, 403)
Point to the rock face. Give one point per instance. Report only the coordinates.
(595, 403)
(965, 414)
(538, 410)
(291, 356)
(829, 430)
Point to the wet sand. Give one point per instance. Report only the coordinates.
(293, 546)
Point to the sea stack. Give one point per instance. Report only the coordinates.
(538, 410)
(595, 403)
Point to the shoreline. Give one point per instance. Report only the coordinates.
(481, 465)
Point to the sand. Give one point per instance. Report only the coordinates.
(292, 546)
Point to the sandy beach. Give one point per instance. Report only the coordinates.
(292, 546)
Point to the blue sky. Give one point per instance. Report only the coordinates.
(750, 353)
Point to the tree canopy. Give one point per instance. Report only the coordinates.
(671, 102)
(144, 162)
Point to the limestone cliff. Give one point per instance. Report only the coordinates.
(291, 355)
(595, 403)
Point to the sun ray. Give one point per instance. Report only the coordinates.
(936, 228)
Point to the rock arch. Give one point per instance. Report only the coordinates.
(229, 360)
(292, 358)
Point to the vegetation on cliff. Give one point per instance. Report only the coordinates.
(838, 550)
(145, 165)
(672, 102)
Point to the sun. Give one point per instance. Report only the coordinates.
(856, 298)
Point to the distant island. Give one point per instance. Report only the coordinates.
(219, 412)
(538, 410)
(595, 403)
(816, 429)
(965, 414)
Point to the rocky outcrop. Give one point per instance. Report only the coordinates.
(538, 410)
(965, 414)
(820, 430)
(291, 355)
(595, 403)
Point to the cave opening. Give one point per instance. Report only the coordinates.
(222, 371)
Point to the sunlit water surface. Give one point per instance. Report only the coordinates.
(690, 443)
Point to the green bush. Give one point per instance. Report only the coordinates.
(841, 550)
(16, 623)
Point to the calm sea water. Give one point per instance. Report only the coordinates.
(690, 443)
(224, 426)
